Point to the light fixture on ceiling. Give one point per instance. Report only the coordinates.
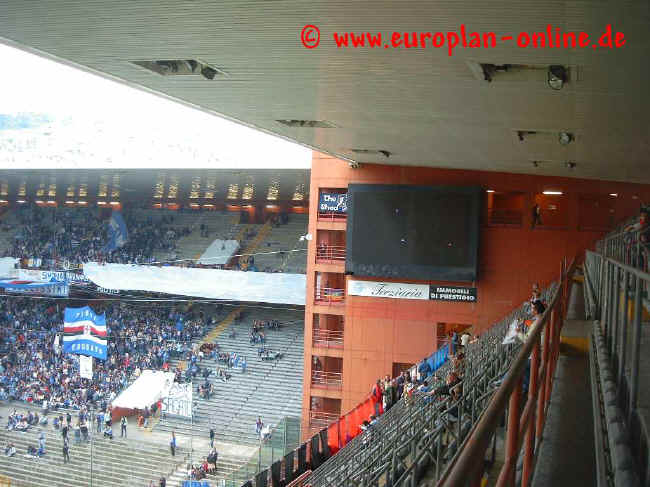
(490, 191)
(565, 138)
(490, 70)
(557, 76)
(552, 192)
(614, 195)
(570, 165)
(523, 133)
(208, 73)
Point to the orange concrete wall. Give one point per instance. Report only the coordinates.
(381, 331)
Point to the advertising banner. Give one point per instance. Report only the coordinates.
(333, 203)
(395, 290)
(453, 293)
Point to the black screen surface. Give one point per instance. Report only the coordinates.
(414, 232)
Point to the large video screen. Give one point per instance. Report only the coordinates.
(413, 232)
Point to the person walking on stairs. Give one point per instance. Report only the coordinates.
(66, 450)
(172, 444)
(211, 438)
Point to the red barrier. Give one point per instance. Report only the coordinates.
(333, 437)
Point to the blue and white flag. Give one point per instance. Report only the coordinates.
(117, 233)
(84, 332)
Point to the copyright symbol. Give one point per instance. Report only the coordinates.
(310, 36)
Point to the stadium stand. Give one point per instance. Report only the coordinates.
(114, 462)
(65, 237)
(236, 403)
(273, 252)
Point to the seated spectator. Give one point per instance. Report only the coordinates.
(108, 432)
(10, 449)
(212, 458)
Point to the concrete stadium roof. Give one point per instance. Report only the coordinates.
(420, 106)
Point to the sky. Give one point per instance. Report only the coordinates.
(120, 126)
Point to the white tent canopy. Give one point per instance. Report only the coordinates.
(147, 389)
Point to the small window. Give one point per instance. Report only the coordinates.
(550, 211)
(505, 208)
(596, 212)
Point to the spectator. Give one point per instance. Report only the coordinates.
(172, 444)
(211, 438)
(123, 424)
(66, 450)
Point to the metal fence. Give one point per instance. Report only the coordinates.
(285, 437)
(617, 287)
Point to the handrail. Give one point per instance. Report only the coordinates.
(329, 295)
(321, 378)
(327, 338)
(330, 252)
(465, 465)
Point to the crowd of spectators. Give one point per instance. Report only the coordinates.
(53, 237)
(34, 369)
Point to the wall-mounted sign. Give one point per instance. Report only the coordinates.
(453, 293)
(333, 203)
(395, 290)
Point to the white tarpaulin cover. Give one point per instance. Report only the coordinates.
(150, 387)
(219, 252)
(7, 266)
(262, 287)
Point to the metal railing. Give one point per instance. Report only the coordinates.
(324, 338)
(327, 380)
(332, 217)
(618, 294)
(505, 217)
(526, 413)
(321, 419)
(329, 296)
(330, 253)
(626, 247)
(283, 438)
(424, 433)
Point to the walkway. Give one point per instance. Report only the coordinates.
(567, 451)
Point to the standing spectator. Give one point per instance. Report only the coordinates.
(66, 450)
(259, 425)
(377, 395)
(68, 418)
(172, 446)
(537, 215)
(211, 438)
(64, 431)
(100, 421)
(123, 423)
(163, 482)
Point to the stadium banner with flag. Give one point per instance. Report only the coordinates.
(117, 233)
(84, 332)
